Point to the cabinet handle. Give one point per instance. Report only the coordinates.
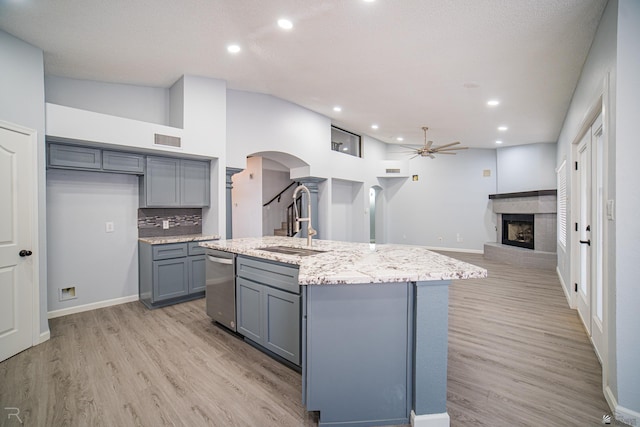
(220, 260)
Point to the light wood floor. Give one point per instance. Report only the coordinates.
(517, 357)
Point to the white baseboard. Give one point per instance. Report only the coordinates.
(430, 420)
(466, 251)
(95, 305)
(564, 288)
(44, 336)
(620, 413)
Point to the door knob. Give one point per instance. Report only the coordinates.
(24, 253)
(586, 242)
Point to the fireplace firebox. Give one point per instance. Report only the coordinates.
(517, 230)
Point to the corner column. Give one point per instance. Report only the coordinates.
(430, 348)
(229, 200)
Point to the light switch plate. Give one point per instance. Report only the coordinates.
(109, 227)
(165, 224)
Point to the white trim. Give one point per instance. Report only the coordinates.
(45, 336)
(430, 420)
(620, 413)
(36, 336)
(564, 288)
(467, 251)
(92, 306)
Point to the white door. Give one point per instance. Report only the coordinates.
(590, 226)
(16, 265)
(583, 228)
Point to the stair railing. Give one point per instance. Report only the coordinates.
(291, 217)
(277, 196)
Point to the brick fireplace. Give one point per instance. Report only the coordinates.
(526, 229)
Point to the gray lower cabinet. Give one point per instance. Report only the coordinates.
(268, 306)
(170, 273)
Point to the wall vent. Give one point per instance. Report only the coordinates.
(392, 170)
(167, 141)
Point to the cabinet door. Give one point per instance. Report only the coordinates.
(249, 309)
(194, 183)
(122, 162)
(197, 265)
(170, 279)
(281, 320)
(71, 156)
(162, 182)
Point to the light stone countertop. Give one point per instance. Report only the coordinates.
(351, 263)
(162, 240)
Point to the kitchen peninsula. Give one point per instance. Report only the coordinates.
(373, 325)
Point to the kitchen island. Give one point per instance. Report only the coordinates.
(373, 326)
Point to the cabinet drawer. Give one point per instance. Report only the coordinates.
(195, 248)
(122, 162)
(168, 251)
(275, 275)
(71, 156)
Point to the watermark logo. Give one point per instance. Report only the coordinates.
(618, 420)
(606, 419)
(13, 412)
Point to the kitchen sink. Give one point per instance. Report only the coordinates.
(287, 250)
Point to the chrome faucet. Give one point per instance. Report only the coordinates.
(310, 231)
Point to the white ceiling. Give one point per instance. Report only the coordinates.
(401, 64)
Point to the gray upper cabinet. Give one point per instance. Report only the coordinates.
(116, 161)
(194, 183)
(74, 157)
(170, 182)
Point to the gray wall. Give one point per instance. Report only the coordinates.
(22, 103)
(102, 266)
(147, 104)
(526, 168)
(614, 52)
(451, 197)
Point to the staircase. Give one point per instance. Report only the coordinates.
(282, 231)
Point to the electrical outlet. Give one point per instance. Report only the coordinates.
(165, 224)
(109, 227)
(459, 238)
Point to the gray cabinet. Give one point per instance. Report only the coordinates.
(171, 182)
(268, 306)
(117, 161)
(170, 273)
(74, 157)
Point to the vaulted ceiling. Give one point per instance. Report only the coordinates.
(398, 64)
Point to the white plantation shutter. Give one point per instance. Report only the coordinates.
(562, 204)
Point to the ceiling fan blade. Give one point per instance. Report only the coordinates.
(439, 150)
(444, 152)
(413, 157)
(428, 145)
(432, 156)
(414, 148)
(446, 145)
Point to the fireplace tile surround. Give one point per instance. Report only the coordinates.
(543, 205)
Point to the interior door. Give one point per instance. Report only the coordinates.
(598, 283)
(583, 227)
(16, 264)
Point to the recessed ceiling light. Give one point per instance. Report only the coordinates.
(233, 48)
(498, 142)
(502, 128)
(493, 102)
(337, 108)
(400, 138)
(285, 24)
(374, 126)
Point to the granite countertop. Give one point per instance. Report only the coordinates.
(347, 263)
(161, 240)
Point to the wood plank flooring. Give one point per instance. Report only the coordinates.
(518, 356)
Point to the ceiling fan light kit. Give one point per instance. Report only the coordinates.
(428, 150)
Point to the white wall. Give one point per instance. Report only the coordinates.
(102, 266)
(526, 168)
(347, 213)
(450, 200)
(148, 104)
(22, 103)
(247, 200)
(627, 253)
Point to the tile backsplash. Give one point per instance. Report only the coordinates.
(181, 221)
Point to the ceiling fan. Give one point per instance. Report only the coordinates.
(428, 150)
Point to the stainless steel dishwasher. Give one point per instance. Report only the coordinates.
(221, 288)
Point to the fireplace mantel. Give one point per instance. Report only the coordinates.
(523, 194)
